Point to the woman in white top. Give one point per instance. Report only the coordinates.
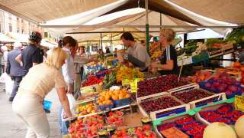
(69, 45)
(38, 82)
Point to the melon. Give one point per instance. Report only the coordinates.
(239, 127)
(219, 130)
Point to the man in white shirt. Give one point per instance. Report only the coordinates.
(136, 53)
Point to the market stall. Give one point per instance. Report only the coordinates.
(120, 101)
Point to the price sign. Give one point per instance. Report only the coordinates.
(139, 79)
(133, 86)
(126, 82)
(239, 103)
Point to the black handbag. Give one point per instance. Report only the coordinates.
(8, 68)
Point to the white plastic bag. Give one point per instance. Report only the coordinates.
(3, 77)
(9, 83)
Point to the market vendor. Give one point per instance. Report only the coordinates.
(167, 63)
(37, 83)
(136, 53)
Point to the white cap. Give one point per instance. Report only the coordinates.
(17, 45)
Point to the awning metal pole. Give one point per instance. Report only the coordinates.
(138, 26)
(147, 26)
(101, 40)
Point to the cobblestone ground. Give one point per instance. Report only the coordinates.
(12, 127)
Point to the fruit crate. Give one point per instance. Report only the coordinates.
(229, 94)
(223, 112)
(86, 127)
(215, 53)
(195, 101)
(99, 112)
(153, 86)
(233, 72)
(115, 118)
(89, 91)
(139, 99)
(228, 47)
(168, 111)
(182, 123)
(122, 102)
(184, 87)
(88, 112)
(144, 131)
(106, 107)
(208, 100)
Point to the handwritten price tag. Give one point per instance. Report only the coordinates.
(133, 86)
(126, 82)
(239, 103)
(139, 79)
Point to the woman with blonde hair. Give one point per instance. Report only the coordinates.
(38, 82)
(167, 63)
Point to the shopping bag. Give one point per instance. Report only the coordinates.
(9, 84)
(3, 77)
(47, 106)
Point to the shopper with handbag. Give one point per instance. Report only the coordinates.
(37, 83)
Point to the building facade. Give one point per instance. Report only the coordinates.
(10, 23)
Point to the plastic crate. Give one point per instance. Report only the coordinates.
(212, 108)
(228, 96)
(174, 119)
(122, 102)
(105, 107)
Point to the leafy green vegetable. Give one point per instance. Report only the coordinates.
(236, 36)
(212, 41)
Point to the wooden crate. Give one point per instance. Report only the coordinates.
(164, 112)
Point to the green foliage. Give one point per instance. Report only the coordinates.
(236, 36)
(212, 41)
(190, 47)
(109, 80)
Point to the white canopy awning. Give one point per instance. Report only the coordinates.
(204, 34)
(4, 38)
(19, 37)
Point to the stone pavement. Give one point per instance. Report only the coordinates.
(12, 127)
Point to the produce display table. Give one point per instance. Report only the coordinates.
(163, 98)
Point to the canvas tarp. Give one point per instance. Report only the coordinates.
(44, 10)
(231, 11)
(134, 20)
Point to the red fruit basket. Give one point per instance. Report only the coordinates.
(224, 112)
(183, 123)
(115, 118)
